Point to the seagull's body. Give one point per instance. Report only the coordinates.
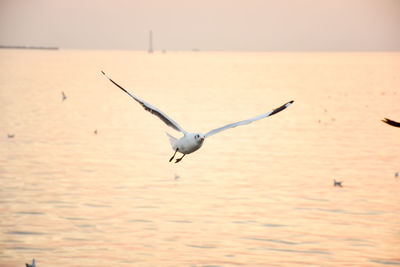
(185, 145)
(190, 142)
(391, 122)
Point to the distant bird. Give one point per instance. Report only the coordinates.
(396, 175)
(191, 142)
(390, 122)
(177, 176)
(63, 96)
(31, 265)
(337, 183)
(95, 131)
(10, 135)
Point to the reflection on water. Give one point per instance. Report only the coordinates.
(256, 195)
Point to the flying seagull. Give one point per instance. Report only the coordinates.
(390, 122)
(191, 142)
(64, 96)
(337, 183)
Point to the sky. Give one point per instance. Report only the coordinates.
(233, 25)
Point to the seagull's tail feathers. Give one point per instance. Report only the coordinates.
(172, 140)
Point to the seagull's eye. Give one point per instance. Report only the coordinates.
(197, 136)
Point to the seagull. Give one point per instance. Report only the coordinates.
(190, 142)
(10, 135)
(390, 122)
(31, 265)
(63, 96)
(396, 175)
(337, 183)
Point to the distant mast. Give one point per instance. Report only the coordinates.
(150, 42)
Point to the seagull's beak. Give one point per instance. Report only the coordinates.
(202, 139)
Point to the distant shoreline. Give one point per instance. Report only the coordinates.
(28, 47)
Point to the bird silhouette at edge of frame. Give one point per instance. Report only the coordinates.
(31, 265)
(391, 122)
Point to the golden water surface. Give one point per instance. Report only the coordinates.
(256, 195)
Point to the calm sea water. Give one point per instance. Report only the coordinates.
(257, 195)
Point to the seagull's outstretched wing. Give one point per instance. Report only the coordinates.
(256, 118)
(390, 122)
(153, 110)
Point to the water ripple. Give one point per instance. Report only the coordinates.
(386, 262)
(274, 241)
(301, 251)
(30, 212)
(25, 233)
(274, 225)
(201, 246)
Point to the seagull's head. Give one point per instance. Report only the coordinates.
(199, 137)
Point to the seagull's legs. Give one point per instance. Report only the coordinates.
(173, 155)
(177, 160)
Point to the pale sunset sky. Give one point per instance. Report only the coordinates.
(251, 25)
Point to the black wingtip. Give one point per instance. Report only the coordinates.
(103, 72)
(281, 108)
(288, 104)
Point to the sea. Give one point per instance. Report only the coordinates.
(86, 180)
